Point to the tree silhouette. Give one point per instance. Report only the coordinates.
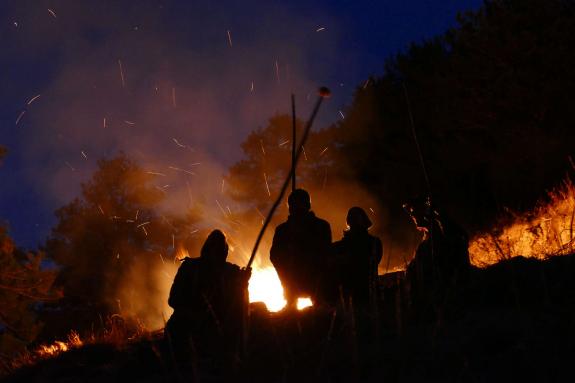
(24, 283)
(256, 179)
(114, 225)
(489, 99)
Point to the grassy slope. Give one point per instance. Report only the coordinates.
(516, 321)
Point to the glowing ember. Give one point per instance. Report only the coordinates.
(302, 303)
(265, 286)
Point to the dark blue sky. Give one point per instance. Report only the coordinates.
(182, 80)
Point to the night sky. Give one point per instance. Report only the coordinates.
(174, 87)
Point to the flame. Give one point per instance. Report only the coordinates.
(545, 231)
(302, 303)
(58, 347)
(265, 286)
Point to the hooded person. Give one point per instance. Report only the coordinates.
(300, 248)
(207, 297)
(358, 255)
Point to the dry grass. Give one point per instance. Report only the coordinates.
(546, 231)
(118, 331)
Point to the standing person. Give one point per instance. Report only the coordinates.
(300, 248)
(207, 297)
(441, 263)
(357, 255)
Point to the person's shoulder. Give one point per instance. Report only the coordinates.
(375, 238)
(282, 227)
(322, 223)
(188, 263)
(231, 268)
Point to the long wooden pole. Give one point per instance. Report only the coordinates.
(323, 93)
(293, 140)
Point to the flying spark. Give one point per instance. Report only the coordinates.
(189, 193)
(174, 97)
(70, 166)
(366, 84)
(178, 143)
(341, 114)
(323, 151)
(104, 124)
(372, 212)
(260, 213)
(267, 185)
(101, 210)
(52, 13)
(252, 87)
(33, 99)
(84, 154)
(129, 122)
(182, 170)
(303, 150)
(156, 174)
(20, 117)
(230, 38)
(283, 143)
(262, 146)
(320, 29)
(221, 208)
(223, 184)
(277, 71)
(143, 224)
(122, 73)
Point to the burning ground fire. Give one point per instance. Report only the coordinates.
(265, 286)
(546, 231)
(58, 347)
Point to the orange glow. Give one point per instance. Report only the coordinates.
(58, 347)
(302, 303)
(265, 286)
(547, 230)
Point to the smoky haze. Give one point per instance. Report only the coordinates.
(176, 94)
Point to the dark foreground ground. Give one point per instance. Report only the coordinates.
(515, 321)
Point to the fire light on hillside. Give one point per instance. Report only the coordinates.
(546, 231)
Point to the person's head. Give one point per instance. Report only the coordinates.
(299, 202)
(421, 212)
(215, 249)
(357, 219)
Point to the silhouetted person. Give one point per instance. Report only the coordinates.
(300, 248)
(357, 255)
(441, 263)
(207, 297)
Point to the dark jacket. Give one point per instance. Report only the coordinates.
(203, 292)
(442, 259)
(357, 256)
(299, 251)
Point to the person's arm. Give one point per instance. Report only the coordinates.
(278, 246)
(176, 291)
